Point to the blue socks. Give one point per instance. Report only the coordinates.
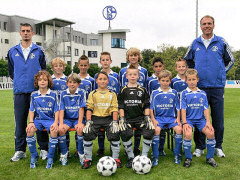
(178, 144)
(52, 146)
(80, 144)
(31, 140)
(155, 144)
(187, 145)
(63, 144)
(210, 148)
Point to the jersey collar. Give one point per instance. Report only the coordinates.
(154, 76)
(169, 91)
(68, 92)
(189, 90)
(48, 92)
(62, 77)
(139, 67)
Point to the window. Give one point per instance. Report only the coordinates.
(68, 36)
(68, 49)
(83, 52)
(38, 30)
(82, 40)
(93, 42)
(38, 43)
(75, 39)
(92, 54)
(5, 26)
(0, 25)
(6, 41)
(69, 63)
(76, 52)
(118, 43)
(79, 39)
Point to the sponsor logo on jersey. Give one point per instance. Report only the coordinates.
(17, 54)
(32, 56)
(133, 101)
(139, 93)
(49, 104)
(214, 48)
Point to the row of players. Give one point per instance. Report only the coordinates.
(135, 110)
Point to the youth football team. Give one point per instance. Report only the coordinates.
(122, 106)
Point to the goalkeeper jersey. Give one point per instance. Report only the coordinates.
(102, 103)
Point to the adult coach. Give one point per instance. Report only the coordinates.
(24, 61)
(211, 56)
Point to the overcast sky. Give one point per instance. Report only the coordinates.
(151, 22)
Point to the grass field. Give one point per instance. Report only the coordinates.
(229, 167)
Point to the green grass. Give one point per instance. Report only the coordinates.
(228, 167)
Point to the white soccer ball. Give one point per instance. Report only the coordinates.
(106, 166)
(141, 164)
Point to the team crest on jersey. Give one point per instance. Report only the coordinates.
(49, 104)
(112, 83)
(201, 100)
(32, 56)
(214, 48)
(87, 87)
(63, 87)
(170, 100)
(17, 54)
(139, 93)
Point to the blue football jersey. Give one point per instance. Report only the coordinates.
(113, 84)
(72, 103)
(44, 106)
(194, 102)
(164, 104)
(143, 75)
(178, 84)
(59, 84)
(152, 84)
(87, 84)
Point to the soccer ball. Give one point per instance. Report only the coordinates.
(106, 166)
(141, 164)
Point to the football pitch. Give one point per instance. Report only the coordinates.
(229, 167)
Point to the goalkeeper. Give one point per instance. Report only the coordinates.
(133, 102)
(165, 113)
(102, 113)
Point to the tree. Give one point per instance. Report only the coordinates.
(116, 69)
(93, 70)
(49, 69)
(68, 70)
(3, 67)
(76, 69)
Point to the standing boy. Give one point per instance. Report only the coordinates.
(133, 101)
(134, 57)
(195, 112)
(153, 84)
(165, 113)
(113, 85)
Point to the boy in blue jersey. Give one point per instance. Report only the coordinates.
(113, 85)
(178, 83)
(87, 83)
(165, 113)
(153, 84)
(195, 112)
(43, 114)
(72, 105)
(134, 57)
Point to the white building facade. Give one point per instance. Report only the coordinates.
(59, 39)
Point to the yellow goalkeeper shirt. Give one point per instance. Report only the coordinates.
(102, 103)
